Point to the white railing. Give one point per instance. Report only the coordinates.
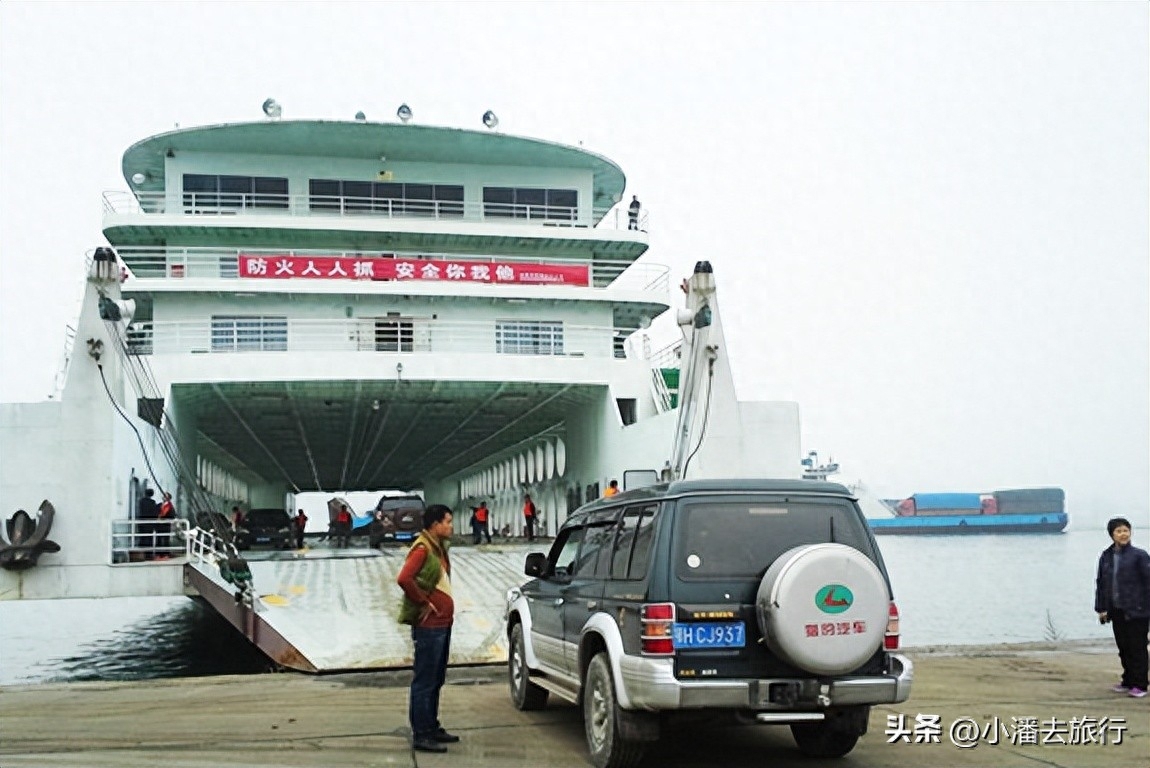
(420, 335)
(135, 541)
(206, 547)
(171, 262)
(667, 357)
(234, 204)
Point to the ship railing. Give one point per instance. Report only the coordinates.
(264, 204)
(206, 547)
(202, 262)
(667, 357)
(137, 541)
(398, 334)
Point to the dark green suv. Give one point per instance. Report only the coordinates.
(763, 600)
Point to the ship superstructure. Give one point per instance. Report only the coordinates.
(329, 305)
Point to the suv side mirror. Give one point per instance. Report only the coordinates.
(535, 564)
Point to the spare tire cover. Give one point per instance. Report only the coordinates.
(823, 608)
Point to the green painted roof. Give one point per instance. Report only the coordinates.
(369, 141)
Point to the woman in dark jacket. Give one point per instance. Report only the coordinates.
(1122, 597)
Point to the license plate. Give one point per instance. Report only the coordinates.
(263, 539)
(710, 634)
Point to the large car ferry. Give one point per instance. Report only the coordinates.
(285, 306)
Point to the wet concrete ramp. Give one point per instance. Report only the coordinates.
(329, 610)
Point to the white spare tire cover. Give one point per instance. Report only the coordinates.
(823, 608)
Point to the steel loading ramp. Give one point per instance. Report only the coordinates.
(319, 610)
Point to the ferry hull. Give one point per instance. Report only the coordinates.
(1053, 522)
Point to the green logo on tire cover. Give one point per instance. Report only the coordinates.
(834, 598)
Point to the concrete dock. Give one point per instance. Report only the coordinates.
(360, 719)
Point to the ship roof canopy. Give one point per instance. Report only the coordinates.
(370, 141)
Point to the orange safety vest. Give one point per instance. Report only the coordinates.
(481, 514)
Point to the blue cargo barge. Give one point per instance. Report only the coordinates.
(1024, 510)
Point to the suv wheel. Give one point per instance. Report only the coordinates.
(525, 694)
(823, 740)
(601, 718)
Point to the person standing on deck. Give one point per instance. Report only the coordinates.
(530, 511)
(482, 518)
(633, 212)
(167, 517)
(343, 527)
(149, 510)
(299, 523)
(612, 489)
(428, 607)
(1122, 598)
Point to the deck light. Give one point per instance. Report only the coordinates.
(272, 108)
(490, 120)
(360, 116)
(403, 113)
(139, 178)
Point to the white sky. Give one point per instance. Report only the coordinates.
(928, 222)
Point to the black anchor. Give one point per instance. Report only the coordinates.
(27, 538)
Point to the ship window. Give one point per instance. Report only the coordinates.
(527, 203)
(239, 333)
(206, 193)
(389, 198)
(357, 195)
(394, 334)
(271, 192)
(324, 195)
(529, 337)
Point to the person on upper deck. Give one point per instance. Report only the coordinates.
(633, 212)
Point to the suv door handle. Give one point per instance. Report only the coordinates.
(558, 601)
(592, 604)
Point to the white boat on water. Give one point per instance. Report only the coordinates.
(286, 306)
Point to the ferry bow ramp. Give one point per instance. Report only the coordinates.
(328, 610)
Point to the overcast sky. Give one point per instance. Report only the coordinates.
(928, 222)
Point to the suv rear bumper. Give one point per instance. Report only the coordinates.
(651, 684)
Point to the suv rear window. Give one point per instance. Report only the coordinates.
(738, 538)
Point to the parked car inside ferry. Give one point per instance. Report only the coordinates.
(265, 527)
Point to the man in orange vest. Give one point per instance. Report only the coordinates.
(300, 523)
(343, 527)
(481, 528)
(529, 513)
(612, 489)
(164, 527)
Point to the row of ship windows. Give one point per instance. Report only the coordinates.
(202, 191)
(270, 334)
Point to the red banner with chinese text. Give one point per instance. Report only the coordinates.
(353, 268)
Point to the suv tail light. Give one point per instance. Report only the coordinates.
(890, 640)
(658, 620)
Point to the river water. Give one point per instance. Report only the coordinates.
(964, 590)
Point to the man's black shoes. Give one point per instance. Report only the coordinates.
(433, 742)
(427, 744)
